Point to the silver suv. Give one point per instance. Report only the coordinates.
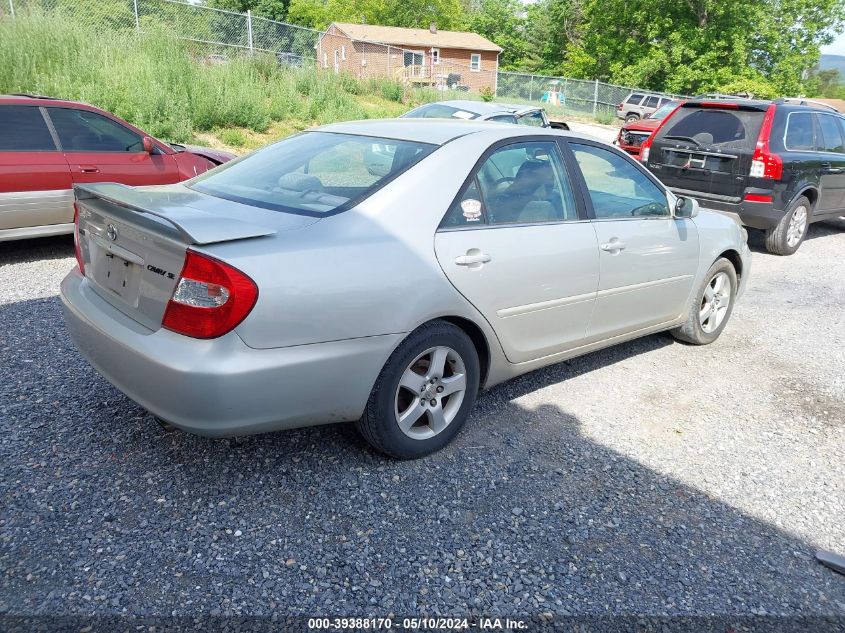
(640, 105)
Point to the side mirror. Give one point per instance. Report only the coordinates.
(686, 207)
(148, 145)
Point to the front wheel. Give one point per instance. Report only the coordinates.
(711, 306)
(790, 232)
(424, 393)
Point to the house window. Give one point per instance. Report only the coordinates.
(475, 62)
(435, 55)
(343, 53)
(325, 60)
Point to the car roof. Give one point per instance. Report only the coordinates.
(437, 131)
(39, 100)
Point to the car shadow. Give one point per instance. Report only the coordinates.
(523, 514)
(757, 237)
(39, 249)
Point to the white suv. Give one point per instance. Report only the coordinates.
(639, 105)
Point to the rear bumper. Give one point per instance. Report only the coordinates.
(222, 387)
(757, 215)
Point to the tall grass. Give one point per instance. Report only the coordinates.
(165, 86)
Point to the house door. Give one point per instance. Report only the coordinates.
(337, 62)
(413, 62)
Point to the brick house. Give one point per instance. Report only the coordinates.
(424, 57)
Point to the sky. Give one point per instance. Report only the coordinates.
(837, 47)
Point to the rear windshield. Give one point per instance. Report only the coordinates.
(315, 173)
(714, 128)
(439, 111)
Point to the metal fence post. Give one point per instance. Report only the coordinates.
(596, 97)
(137, 18)
(12, 8)
(249, 30)
(531, 88)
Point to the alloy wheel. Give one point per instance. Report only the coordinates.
(430, 393)
(797, 226)
(715, 302)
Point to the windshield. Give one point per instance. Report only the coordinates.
(315, 173)
(438, 111)
(664, 111)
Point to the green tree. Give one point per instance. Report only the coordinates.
(273, 9)
(502, 22)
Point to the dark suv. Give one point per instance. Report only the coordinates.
(777, 165)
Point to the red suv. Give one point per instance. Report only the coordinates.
(634, 134)
(49, 145)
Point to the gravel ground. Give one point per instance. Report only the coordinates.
(651, 478)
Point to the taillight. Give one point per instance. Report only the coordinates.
(645, 148)
(211, 298)
(76, 245)
(619, 106)
(764, 164)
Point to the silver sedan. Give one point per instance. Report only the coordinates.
(385, 272)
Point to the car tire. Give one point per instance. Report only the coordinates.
(406, 416)
(712, 305)
(630, 118)
(790, 232)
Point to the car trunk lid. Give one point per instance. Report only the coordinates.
(134, 240)
(707, 147)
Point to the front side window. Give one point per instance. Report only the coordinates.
(830, 138)
(534, 119)
(618, 189)
(799, 132)
(315, 173)
(23, 129)
(84, 131)
(652, 102)
(475, 61)
(523, 183)
(664, 111)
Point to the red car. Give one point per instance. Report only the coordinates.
(633, 134)
(49, 145)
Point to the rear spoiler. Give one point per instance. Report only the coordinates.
(726, 104)
(149, 209)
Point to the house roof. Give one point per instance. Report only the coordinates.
(410, 38)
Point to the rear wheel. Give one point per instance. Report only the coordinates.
(711, 306)
(631, 117)
(786, 237)
(424, 394)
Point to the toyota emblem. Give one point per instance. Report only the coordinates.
(111, 231)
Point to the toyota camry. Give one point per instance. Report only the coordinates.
(384, 272)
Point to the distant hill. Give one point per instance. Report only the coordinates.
(829, 62)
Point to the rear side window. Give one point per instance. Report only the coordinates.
(534, 119)
(799, 132)
(503, 118)
(634, 99)
(23, 129)
(438, 111)
(84, 131)
(831, 134)
(618, 189)
(315, 173)
(523, 183)
(711, 127)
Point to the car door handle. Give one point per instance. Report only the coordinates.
(829, 169)
(89, 169)
(613, 245)
(474, 257)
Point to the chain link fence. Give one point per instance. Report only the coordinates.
(227, 32)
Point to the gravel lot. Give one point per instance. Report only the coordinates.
(651, 478)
